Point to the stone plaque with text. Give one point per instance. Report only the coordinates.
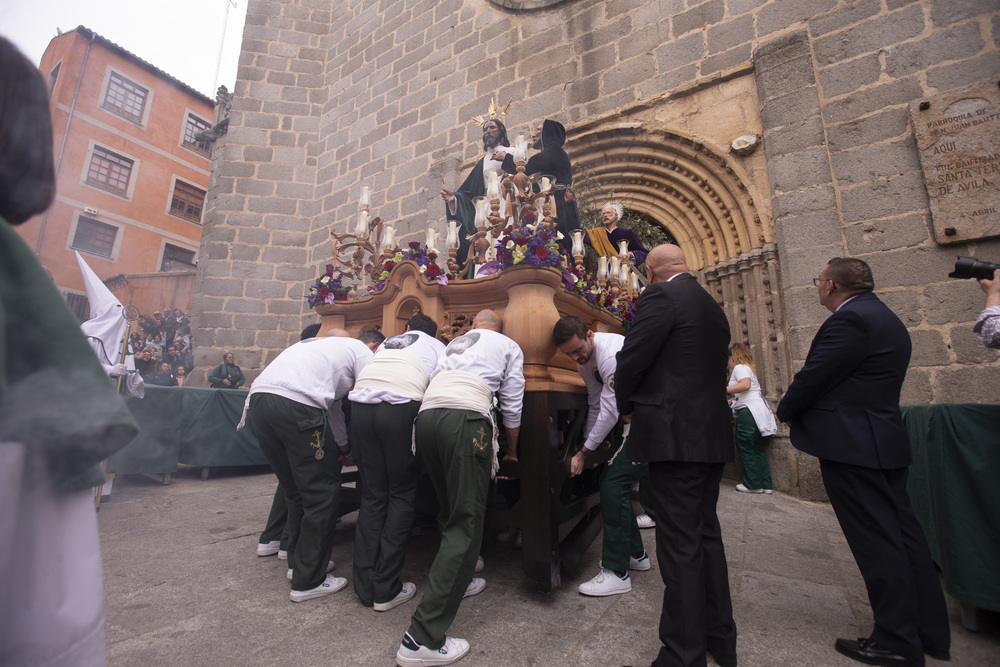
(958, 136)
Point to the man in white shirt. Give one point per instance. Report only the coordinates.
(294, 409)
(384, 405)
(456, 441)
(622, 550)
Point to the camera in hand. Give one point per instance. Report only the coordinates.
(968, 267)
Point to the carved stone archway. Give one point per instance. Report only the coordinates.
(695, 193)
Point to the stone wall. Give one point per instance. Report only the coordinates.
(333, 96)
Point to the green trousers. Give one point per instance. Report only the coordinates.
(456, 447)
(381, 441)
(290, 434)
(621, 532)
(749, 444)
(276, 529)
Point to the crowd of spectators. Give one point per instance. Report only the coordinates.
(164, 337)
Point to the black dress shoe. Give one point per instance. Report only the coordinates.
(723, 659)
(869, 652)
(938, 654)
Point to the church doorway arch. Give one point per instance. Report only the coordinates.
(694, 192)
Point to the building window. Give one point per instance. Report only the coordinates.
(187, 201)
(53, 76)
(94, 237)
(176, 258)
(194, 126)
(80, 305)
(109, 171)
(125, 98)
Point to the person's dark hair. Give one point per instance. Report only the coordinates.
(423, 323)
(850, 275)
(310, 331)
(369, 336)
(567, 327)
(27, 174)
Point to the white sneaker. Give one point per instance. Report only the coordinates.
(331, 585)
(329, 568)
(408, 591)
(645, 521)
(268, 548)
(743, 489)
(640, 564)
(606, 583)
(480, 564)
(282, 555)
(412, 653)
(476, 587)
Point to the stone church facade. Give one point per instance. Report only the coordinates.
(334, 95)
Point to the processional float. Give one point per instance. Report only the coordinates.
(531, 284)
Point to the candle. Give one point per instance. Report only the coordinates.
(452, 240)
(634, 283)
(602, 268)
(577, 241)
(625, 274)
(480, 203)
(545, 183)
(623, 249)
(493, 189)
(365, 197)
(361, 231)
(520, 149)
(390, 241)
(615, 268)
(431, 240)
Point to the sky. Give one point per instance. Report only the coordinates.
(180, 37)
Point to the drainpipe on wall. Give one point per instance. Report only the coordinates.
(62, 147)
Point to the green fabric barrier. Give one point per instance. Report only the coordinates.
(209, 436)
(155, 450)
(952, 485)
(191, 425)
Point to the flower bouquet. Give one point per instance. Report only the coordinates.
(424, 257)
(326, 289)
(529, 246)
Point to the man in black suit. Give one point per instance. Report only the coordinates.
(671, 383)
(844, 408)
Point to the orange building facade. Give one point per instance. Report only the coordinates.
(131, 178)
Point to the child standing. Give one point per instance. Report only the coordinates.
(754, 420)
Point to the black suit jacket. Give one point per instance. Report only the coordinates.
(844, 404)
(671, 376)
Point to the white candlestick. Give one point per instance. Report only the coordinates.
(625, 274)
(615, 267)
(361, 231)
(623, 249)
(520, 149)
(602, 268)
(452, 240)
(545, 183)
(493, 189)
(431, 239)
(390, 241)
(577, 242)
(365, 197)
(480, 203)
(634, 283)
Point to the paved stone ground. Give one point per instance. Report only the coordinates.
(184, 587)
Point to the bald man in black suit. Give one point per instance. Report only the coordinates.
(844, 409)
(671, 383)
